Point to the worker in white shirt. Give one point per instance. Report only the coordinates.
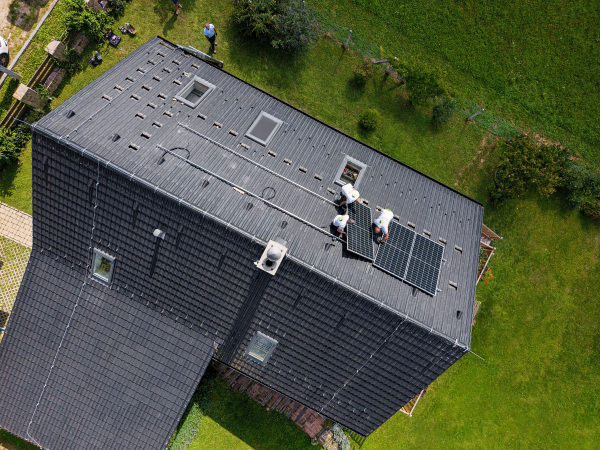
(383, 222)
(350, 194)
(341, 221)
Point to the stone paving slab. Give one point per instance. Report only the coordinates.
(16, 225)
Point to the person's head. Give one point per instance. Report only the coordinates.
(207, 26)
(377, 230)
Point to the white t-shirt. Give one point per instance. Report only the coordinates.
(383, 220)
(341, 221)
(350, 193)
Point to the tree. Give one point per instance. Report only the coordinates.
(422, 82)
(526, 166)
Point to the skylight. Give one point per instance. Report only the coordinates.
(194, 92)
(351, 171)
(263, 128)
(103, 266)
(261, 347)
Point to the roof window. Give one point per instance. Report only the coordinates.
(194, 92)
(103, 266)
(261, 347)
(263, 128)
(350, 171)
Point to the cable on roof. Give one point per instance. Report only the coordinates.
(232, 184)
(272, 172)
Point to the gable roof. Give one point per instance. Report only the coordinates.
(86, 367)
(201, 157)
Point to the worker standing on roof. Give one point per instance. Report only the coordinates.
(350, 194)
(341, 221)
(383, 222)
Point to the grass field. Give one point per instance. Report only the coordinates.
(533, 62)
(538, 327)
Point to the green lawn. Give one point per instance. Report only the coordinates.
(533, 62)
(538, 325)
(15, 183)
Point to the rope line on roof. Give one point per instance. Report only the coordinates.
(272, 172)
(247, 192)
(90, 251)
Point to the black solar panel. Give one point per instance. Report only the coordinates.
(360, 241)
(400, 237)
(361, 214)
(392, 260)
(422, 275)
(411, 257)
(427, 250)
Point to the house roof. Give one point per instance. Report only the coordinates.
(201, 157)
(79, 361)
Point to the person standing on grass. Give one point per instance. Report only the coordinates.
(210, 32)
(177, 6)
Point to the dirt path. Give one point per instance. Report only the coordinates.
(17, 27)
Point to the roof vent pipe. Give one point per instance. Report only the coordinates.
(272, 256)
(159, 234)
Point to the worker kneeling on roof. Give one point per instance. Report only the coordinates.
(383, 222)
(350, 194)
(341, 221)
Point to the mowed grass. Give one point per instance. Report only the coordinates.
(533, 62)
(538, 325)
(15, 183)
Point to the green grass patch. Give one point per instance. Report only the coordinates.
(15, 183)
(236, 422)
(531, 62)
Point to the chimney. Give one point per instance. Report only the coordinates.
(272, 256)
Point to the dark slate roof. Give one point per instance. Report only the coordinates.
(135, 100)
(86, 367)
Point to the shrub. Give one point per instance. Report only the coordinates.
(583, 189)
(422, 82)
(116, 8)
(79, 18)
(362, 73)
(340, 437)
(254, 17)
(294, 27)
(287, 25)
(369, 120)
(12, 143)
(72, 62)
(525, 166)
(442, 112)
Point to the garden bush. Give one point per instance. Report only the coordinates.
(116, 8)
(423, 83)
(362, 73)
(12, 143)
(369, 120)
(583, 189)
(526, 166)
(287, 25)
(442, 112)
(79, 18)
(72, 63)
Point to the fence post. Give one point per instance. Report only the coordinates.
(472, 116)
(348, 40)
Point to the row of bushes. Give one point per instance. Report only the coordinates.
(526, 166)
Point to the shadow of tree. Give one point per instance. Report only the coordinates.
(7, 178)
(24, 14)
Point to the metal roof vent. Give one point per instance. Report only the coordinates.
(272, 256)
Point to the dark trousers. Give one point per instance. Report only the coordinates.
(212, 42)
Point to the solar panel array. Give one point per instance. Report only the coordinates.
(411, 257)
(360, 233)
